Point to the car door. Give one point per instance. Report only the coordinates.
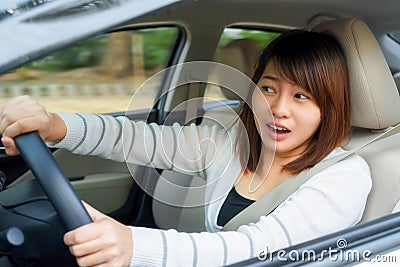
(97, 68)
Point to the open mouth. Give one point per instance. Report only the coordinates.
(277, 129)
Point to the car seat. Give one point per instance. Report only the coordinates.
(242, 55)
(375, 107)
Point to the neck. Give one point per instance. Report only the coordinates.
(270, 159)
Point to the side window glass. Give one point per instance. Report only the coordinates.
(99, 75)
(238, 48)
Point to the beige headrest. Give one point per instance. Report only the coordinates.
(374, 96)
(241, 54)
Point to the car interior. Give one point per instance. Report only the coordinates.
(372, 111)
(375, 87)
(375, 109)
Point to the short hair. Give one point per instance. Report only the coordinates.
(316, 62)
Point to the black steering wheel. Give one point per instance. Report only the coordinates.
(52, 180)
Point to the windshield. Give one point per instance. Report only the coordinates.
(49, 25)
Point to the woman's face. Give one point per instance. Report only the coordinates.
(295, 115)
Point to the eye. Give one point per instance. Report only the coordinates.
(267, 89)
(301, 96)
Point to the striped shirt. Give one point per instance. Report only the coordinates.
(331, 200)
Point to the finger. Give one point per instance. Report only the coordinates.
(4, 121)
(83, 234)
(24, 125)
(95, 259)
(11, 111)
(87, 248)
(9, 145)
(103, 265)
(25, 111)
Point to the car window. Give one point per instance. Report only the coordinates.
(99, 75)
(242, 43)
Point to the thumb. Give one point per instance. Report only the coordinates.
(94, 214)
(9, 146)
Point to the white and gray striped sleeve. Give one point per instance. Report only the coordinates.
(153, 247)
(184, 149)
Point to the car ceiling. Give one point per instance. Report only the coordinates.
(381, 16)
(209, 17)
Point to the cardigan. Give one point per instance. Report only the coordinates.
(329, 201)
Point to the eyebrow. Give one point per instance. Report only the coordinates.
(269, 77)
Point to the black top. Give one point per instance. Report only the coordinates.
(234, 203)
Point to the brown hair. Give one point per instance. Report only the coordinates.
(316, 62)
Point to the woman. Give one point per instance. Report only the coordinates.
(302, 77)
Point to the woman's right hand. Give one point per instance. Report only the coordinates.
(23, 114)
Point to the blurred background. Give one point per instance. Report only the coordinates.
(102, 74)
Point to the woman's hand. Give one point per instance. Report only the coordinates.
(23, 114)
(105, 242)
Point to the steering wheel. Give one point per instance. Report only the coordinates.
(55, 185)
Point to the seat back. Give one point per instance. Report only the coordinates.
(242, 55)
(375, 107)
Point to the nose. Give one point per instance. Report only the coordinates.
(280, 106)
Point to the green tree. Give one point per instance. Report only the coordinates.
(157, 43)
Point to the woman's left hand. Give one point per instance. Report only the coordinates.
(105, 242)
